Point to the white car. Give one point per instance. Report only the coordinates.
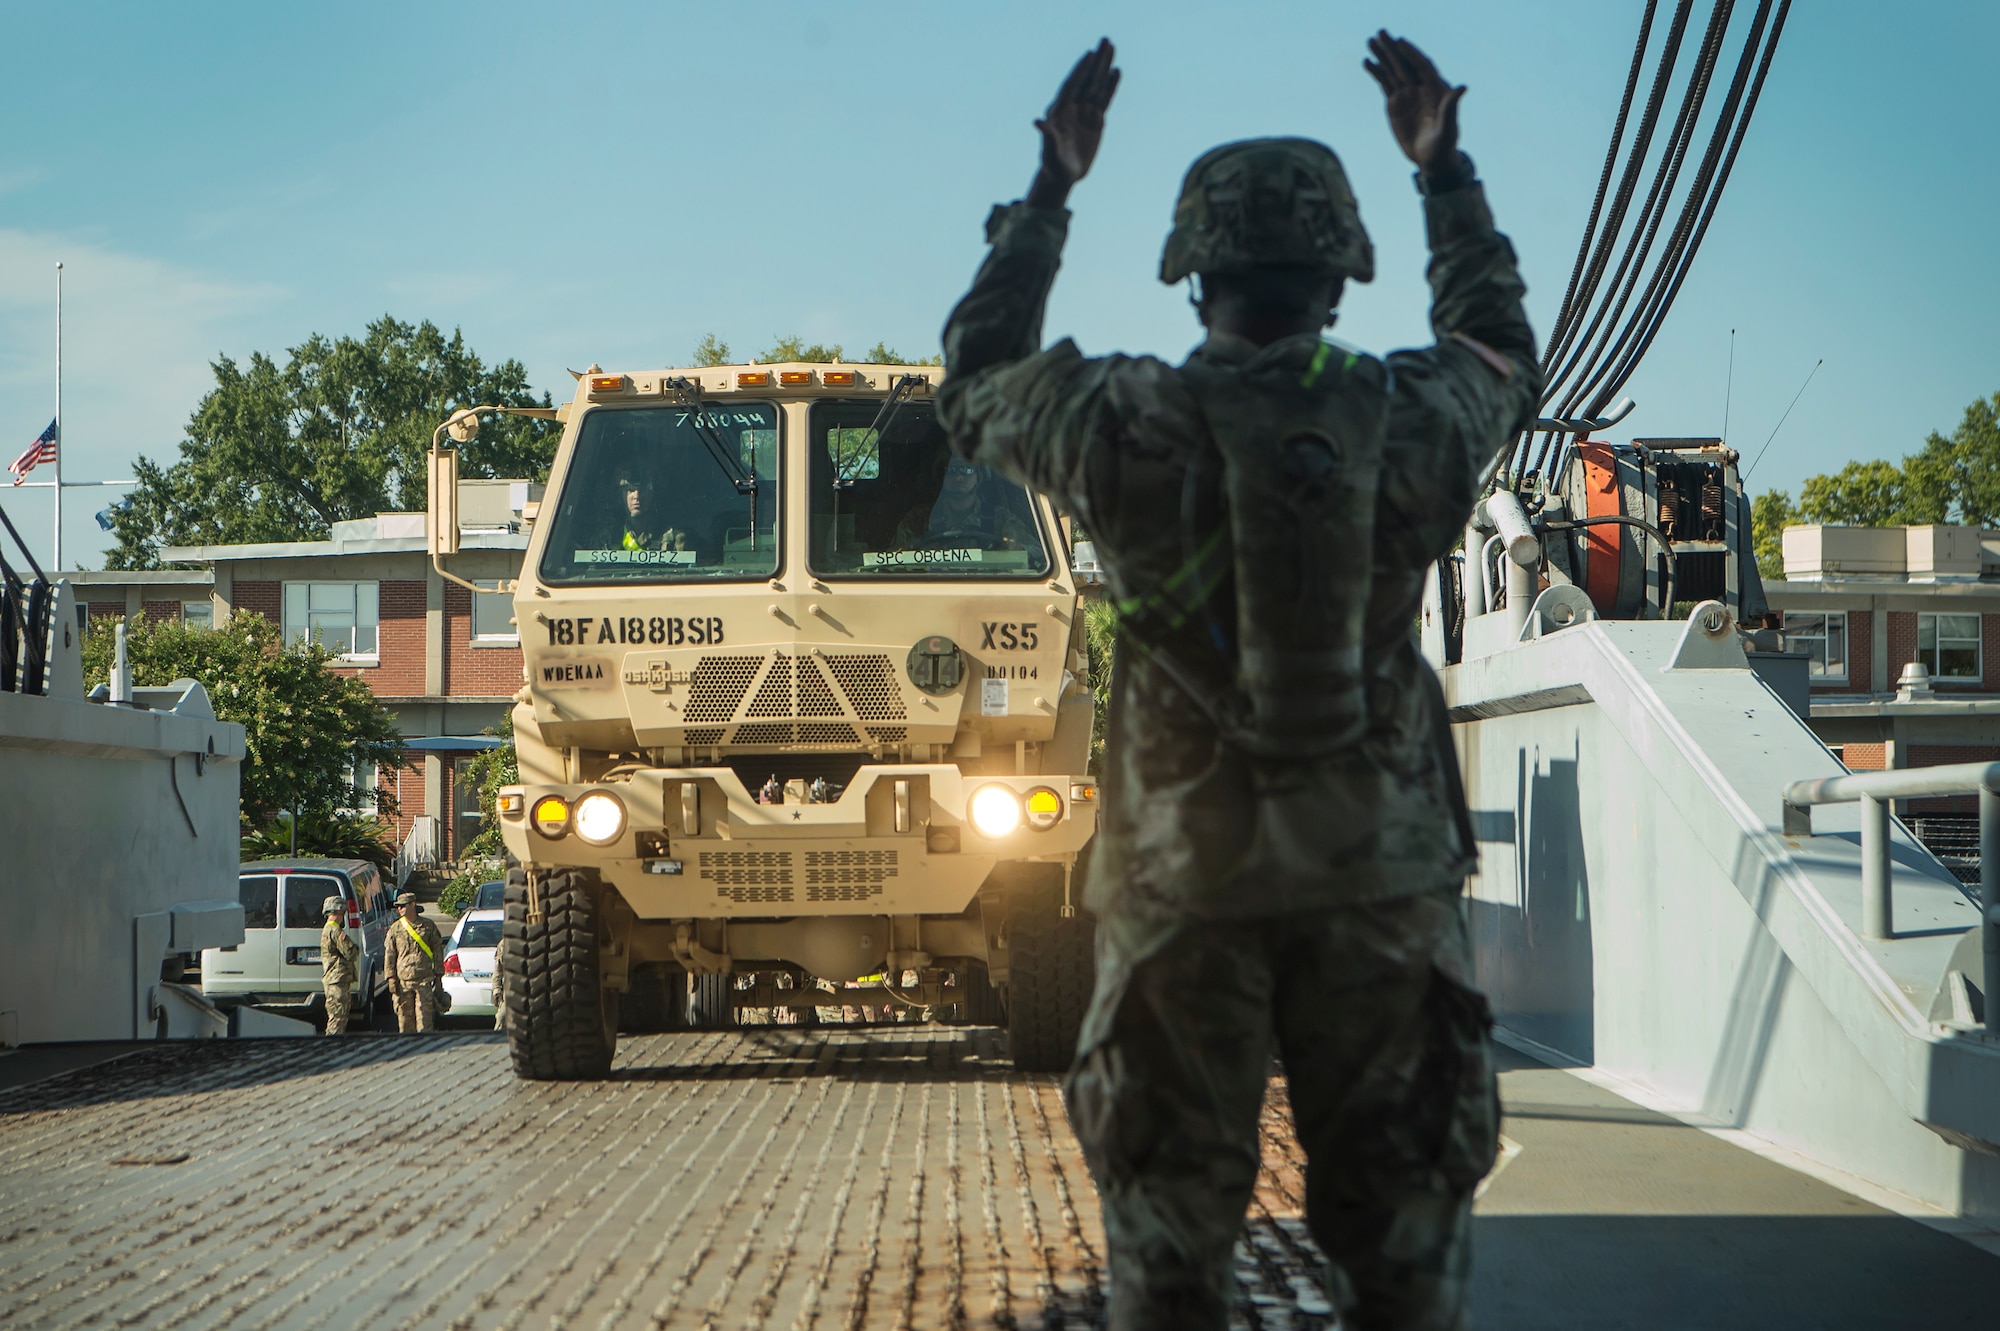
(469, 961)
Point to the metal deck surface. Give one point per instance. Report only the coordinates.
(779, 1177)
(762, 1177)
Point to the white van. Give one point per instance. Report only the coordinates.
(278, 964)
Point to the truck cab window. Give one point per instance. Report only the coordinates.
(647, 499)
(899, 503)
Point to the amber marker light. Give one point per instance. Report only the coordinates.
(1044, 808)
(837, 378)
(511, 803)
(551, 816)
(794, 378)
(753, 379)
(607, 383)
(1083, 793)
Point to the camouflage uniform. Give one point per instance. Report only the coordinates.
(1271, 875)
(413, 972)
(338, 957)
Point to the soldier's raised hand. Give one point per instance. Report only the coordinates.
(1073, 125)
(1422, 107)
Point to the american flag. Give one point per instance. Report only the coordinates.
(42, 450)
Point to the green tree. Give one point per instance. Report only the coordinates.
(307, 728)
(1861, 494)
(339, 431)
(883, 354)
(712, 350)
(1100, 631)
(1769, 514)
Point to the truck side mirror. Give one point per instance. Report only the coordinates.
(443, 520)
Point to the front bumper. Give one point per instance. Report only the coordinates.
(898, 841)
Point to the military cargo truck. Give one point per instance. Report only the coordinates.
(806, 700)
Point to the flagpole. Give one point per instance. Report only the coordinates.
(56, 564)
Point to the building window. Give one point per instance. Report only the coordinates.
(198, 614)
(1948, 645)
(339, 615)
(360, 778)
(1824, 636)
(493, 613)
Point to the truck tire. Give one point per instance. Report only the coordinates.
(562, 1024)
(656, 1000)
(1053, 972)
(711, 1008)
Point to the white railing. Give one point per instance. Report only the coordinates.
(1874, 791)
(420, 850)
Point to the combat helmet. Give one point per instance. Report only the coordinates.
(332, 906)
(1263, 203)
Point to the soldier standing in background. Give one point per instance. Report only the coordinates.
(338, 958)
(1284, 839)
(412, 955)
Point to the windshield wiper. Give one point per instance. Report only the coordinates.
(900, 392)
(688, 394)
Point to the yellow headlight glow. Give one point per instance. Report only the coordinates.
(599, 818)
(1044, 808)
(996, 811)
(551, 816)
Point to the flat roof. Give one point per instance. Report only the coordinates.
(379, 545)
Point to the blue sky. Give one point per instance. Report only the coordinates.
(607, 183)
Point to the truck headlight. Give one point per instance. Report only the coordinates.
(551, 816)
(599, 818)
(1044, 808)
(996, 811)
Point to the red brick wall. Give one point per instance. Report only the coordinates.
(261, 598)
(155, 611)
(1989, 651)
(469, 671)
(107, 609)
(407, 785)
(1939, 755)
(1860, 651)
(1902, 645)
(1864, 757)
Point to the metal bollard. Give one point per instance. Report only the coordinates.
(1877, 906)
(1989, 903)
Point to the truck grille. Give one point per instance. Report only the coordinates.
(848, 875)
(765, 877)
(718, 685)
(748, 876)
(824, 700)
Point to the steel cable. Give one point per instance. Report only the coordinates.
(1619, 360)
(1588, 355)
(1571, 321)
(1708, 211)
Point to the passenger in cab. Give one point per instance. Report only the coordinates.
(963, 512)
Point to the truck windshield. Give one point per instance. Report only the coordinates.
(901, 504)
(645, 500)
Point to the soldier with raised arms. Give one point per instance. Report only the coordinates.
(1285, 840)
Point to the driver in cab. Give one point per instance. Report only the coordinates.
(639, 511)
(963, 515)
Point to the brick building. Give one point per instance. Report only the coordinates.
(444, 661)
(1869, 603)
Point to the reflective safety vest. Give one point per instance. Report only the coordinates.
(418, 939)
